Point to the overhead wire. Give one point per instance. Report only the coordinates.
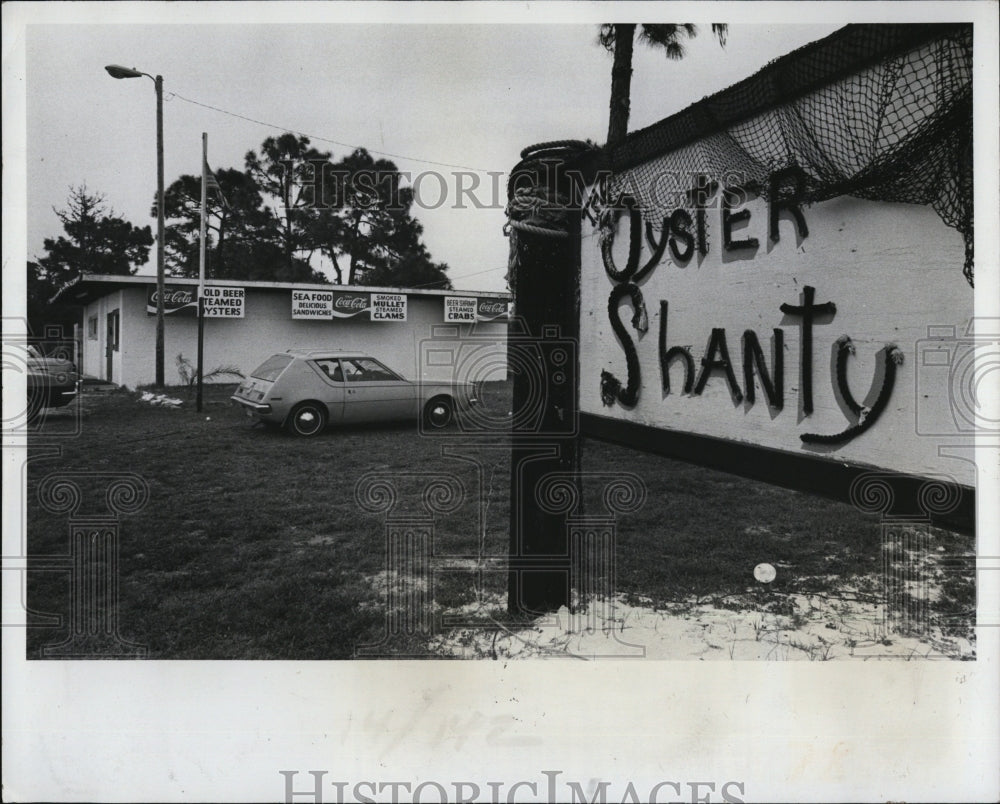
(325, 139)
(463, 276)
(343, 145)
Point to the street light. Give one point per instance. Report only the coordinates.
(117, 71)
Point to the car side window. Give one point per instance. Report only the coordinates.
(363, 369)
(331, 369)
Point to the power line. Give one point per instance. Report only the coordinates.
(463, 276)
(324, 139)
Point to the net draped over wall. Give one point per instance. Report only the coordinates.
(880, 112)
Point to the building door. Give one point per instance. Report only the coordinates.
(111, 343)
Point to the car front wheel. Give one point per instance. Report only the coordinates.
(439, 412)
(307, 419)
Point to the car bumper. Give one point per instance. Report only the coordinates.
(257, 410)
(55, 396)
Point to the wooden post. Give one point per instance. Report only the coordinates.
(544, 207)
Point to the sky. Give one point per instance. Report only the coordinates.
(453, 104)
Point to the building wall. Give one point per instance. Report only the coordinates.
(267, 327)
(894, 272)
(94, 360)
(903, 319)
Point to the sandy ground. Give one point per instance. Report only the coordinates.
(818, 630)
(811, 628)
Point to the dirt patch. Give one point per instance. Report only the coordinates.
(816, 629)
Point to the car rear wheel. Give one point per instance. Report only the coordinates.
(307, 419)
(439, 412)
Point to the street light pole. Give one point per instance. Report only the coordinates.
(158, 81)
(117, 71)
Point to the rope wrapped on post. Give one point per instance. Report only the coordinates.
(541, 193)
(533, 209)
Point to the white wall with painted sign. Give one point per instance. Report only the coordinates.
(248, 323)
(893, 272)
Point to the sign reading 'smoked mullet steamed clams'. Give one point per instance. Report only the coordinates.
(731, 295)
(388, 307)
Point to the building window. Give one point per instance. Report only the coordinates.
(92, 328)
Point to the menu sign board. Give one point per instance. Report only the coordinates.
(326, 305)
(388, 307)
(469, 309)
(223, 302)
(459, 309)
(312, 304)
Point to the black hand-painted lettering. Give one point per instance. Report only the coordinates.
(782, 199)
(667, 356)
(753, 355)
(717, 344)
(808, 311)
(891, 357)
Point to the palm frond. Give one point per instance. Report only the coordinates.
(606, 37)
(669, 36)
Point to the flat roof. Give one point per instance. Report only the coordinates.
(88, 287)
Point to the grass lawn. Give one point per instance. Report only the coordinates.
(252, 545)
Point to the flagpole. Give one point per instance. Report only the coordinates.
(201, 266)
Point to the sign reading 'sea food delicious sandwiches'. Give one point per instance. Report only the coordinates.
(312, 304)
(723, 305)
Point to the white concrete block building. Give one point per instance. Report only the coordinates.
(247, 321)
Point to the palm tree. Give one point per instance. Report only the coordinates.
(617, 39)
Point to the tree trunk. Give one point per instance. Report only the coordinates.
(336, 268)
(352, 274)
(621, 84)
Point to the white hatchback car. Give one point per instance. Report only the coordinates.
(305, 391)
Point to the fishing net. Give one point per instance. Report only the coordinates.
(879, 112)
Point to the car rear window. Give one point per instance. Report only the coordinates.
(271, 368)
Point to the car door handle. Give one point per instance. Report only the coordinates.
(350, 390)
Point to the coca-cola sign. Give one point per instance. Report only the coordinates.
(348, 305)
(176, 301)
(489, 309)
